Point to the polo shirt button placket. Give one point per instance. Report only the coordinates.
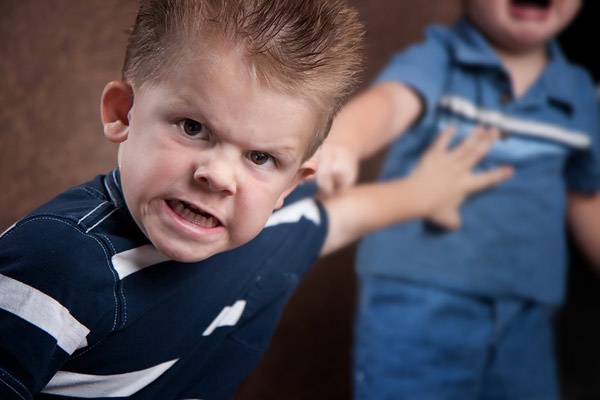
(504, 100)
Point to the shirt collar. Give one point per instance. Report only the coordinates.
(113, 187)
(558, 89)
(470, 47)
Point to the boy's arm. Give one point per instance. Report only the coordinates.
(435, 190)
(365, 125)
(583, 214)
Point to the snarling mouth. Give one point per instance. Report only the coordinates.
(532, 3)
(193, 215)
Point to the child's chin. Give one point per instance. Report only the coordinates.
(187, 255)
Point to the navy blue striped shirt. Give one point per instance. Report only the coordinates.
(90, 309)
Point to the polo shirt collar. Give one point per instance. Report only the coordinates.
(113, 186)
(471, 48)
(558, 89)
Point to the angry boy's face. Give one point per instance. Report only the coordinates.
(208, 153)
(521, 25)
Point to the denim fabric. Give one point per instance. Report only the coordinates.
(422, 343)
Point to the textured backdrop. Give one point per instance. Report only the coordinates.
(56, 56)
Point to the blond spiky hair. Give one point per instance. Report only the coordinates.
(308, 48)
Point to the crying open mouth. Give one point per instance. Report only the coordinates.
(192, 214)
(532, 3)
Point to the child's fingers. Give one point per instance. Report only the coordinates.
(452, 221)
(325, 187)
(476, 145)
(442, 142)
(484, 180)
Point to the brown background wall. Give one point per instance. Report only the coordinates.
(56, 56)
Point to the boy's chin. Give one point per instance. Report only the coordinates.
(191, 251)
(189, 256)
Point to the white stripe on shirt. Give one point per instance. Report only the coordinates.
(294, 212)
(134, 260)
(483, 116)
(43, 311)
(119, 385)
(229, 316)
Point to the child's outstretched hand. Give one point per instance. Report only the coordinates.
(445, 178)
(338, 169)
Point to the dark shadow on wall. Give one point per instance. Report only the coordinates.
(578, 322)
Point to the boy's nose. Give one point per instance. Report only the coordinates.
(218, 175)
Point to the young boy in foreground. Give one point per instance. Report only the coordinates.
(465, 314)
(165, 278)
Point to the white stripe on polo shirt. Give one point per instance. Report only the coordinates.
(134, 260)
(294, 212)
(497, 119)
(43, 311)
(229, 316)
(119, 385)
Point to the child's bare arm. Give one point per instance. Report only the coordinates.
(365, 125)
(583, 214)
(434, 191)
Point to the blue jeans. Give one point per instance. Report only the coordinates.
(417, 342)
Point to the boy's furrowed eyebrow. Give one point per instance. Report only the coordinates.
(181, 101)
(187, 108)
(285, 152)
(184, 109)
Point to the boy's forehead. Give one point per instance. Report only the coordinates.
(217, 87)
(192, 63)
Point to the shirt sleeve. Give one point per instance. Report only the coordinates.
(300, 227)
(45, 313)
(422, 66)
(583, 168)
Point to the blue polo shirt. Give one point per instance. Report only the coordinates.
(512, 243)
(89, 309)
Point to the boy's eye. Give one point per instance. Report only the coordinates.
(260, 158)
(193, 128)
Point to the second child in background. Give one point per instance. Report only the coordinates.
(467, 313)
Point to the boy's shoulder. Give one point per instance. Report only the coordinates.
(63, 227)
(81, 206)
(563, 75)
(53, 251)
(74, 203)
(445, 45)
(577, 76)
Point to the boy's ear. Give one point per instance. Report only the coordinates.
(117, 100)
(306, 171)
